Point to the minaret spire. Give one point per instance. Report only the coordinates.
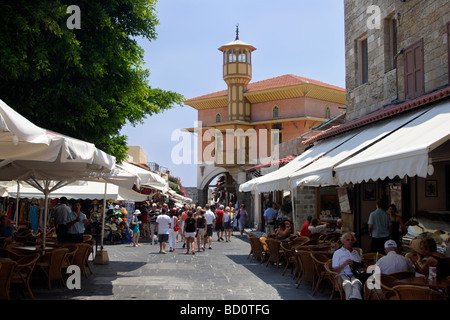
(237, 31)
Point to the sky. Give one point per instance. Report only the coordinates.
(300, 37)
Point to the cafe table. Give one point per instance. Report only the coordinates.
(443, 284)
(33, 249)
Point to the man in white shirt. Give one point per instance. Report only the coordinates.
(342, 260)
(392, 261)
(163, 224)
(210, 221)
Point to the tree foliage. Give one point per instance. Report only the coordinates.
(85, 83)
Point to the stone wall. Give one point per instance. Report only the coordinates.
(304, 206)
(416, 20)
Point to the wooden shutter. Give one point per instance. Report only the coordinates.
(414, 70)
(448, 49)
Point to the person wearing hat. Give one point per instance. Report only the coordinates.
(134, 225)
(392, 261)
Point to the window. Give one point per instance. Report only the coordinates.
(275, 112)
(414, 70)
(276, 138)
(362, 75)
(390, 43)
(327, 113)
(218, 118)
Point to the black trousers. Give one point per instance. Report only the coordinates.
(378, 244)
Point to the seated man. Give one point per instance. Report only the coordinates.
(392, 261)
(342, 260)
(6, 232)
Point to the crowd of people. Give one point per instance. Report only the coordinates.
(194, 226)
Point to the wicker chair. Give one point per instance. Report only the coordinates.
(336, 280)
(24, 270)
(307, 265)
(288, 253)
(249, 235)
(52, 263)
(319, 260)
(299, 241)
(259, 253)
(387, 283)
(371, 258)
(6, 274)
(275, 253)
(402, 274)
(407, 292)
(73, 248)
(81, 256)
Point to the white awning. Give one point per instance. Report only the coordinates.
(404, 152)
(321, 172)
(278, 180)
(88, 190)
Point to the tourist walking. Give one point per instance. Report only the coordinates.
(241, 216)
(173, 229)
(219, 222)
(227, 224)
(163, 224)
(152, 215)
(135, 228)
(201, 225)
(210, 221)
(190, 228)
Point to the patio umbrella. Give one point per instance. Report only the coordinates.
(48, 160)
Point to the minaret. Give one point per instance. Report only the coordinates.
(237, 73)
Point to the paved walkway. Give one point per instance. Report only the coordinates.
(142, 273)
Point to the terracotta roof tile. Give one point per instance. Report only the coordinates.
(272, 83)
(385, 112)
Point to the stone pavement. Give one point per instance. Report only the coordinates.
(142, 273)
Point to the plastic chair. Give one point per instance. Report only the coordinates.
(24, 270)
(408, 292)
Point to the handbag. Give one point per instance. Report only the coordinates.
(176, 228)
(361, 275)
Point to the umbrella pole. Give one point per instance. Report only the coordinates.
(44, 234)
(101, 257)
(16, 218)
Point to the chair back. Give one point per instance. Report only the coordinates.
(387, 283)
(6, 273)
(274, 248)
(299, 241)
(256, 245)
(80, 256)
(335, 277)
(371, 257)
(56, 261)
(307, 265)
(402, 274)
(408, 292)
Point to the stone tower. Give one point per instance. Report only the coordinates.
(237, 73)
